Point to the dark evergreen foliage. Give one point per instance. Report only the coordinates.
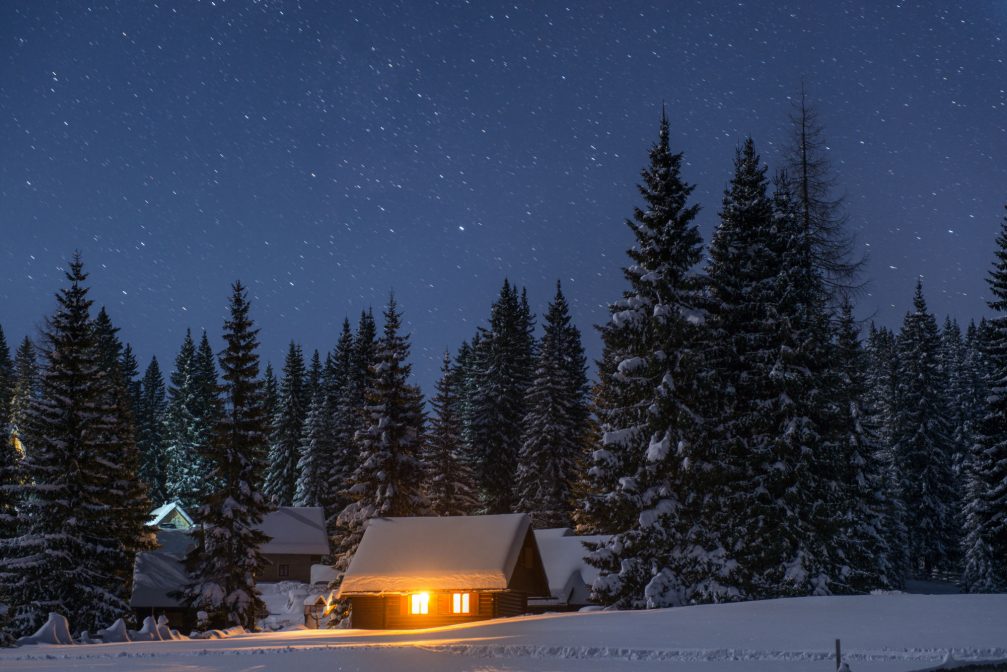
(151, 434)
(556, 422)
(226, 559)
(294, 397)
(450, 479)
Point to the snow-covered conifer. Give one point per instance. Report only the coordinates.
(151, 437)
(226, 559)
(287, 430)
(450, 479)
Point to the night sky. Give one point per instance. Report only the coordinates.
(328, 152)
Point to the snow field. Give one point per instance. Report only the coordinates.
(880, 633)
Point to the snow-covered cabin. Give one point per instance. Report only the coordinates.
(570, 576)
(170, 516)
(430, 571)
(158, 574)
(298, 540)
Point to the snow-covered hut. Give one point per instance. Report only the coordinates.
(429, 571)
(570, 576)
(170, 516)
(298, 540)
(158, 574)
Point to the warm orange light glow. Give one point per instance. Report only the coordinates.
(419, 603)
(460, 603)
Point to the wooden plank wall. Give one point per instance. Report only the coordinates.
(391, 612)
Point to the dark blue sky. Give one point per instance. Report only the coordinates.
(327, 152)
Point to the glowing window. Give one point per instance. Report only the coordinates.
(460, 603)
(419, 603)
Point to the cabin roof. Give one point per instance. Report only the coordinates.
(295, 530)
(160, 572)
(160, 513)
(570, 576)
(438, 553)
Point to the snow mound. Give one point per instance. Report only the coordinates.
(116, 632)
(55, 631)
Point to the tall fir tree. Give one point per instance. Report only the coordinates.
(504, 363)
(131, 373)
(64, 559)
(342, 411)
(226, 559)
(293, 399)
(124, 496)
(556, 422)
(985, 540)
(865, 508)
(26, 388)
(314, 453)
(647, 401)
(151, 435)
(7, 379)
(922, 444)
(389, 478)
(450, 479)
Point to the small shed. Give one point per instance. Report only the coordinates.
(430, 571)
(298, 540)
(570, 576)
(170, 516)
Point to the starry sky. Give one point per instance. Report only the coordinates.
(326, 153)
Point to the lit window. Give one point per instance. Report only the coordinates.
(460, 603)
(419, 603)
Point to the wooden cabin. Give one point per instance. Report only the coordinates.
(570, 576)
(171, 516)
(297, 540)
(426, 572)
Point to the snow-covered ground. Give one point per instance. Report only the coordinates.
(895, 632)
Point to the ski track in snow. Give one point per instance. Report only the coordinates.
(490, 651)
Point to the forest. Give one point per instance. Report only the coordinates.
(744, 434)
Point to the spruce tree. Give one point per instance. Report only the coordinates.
(985, 543)
(226, 559)
(184, 468)
(342, 411)
(647, 401)
(865, 508)
(151, 439)
(450, 479)
(388, 480)
(293, 399)
(26, 388)
(131, 373)
(504, 364)
(555, 424)
(125, 501)
(921, 443)
(63, 559)
(314, 453)
(7, 379)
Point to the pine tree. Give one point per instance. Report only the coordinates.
(270, 394)
(192, 416)
(504, 364)
(151, 439)
(226, 559)
(125, 503)
(820, 211)
(555, 425)
(63, 560)
(864, 540)
(882, 387)
(450, 478)
(314, 453)
(131, 372)
(985, 544)
(342, 412)
(647, 401)
(389, 478)
(921, 443)
(7, 380)
(25, 379)
(313, 377)
(282, 473)
(952, 362)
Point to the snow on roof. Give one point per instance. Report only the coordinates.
(162, 512)
(437, 553)
(295, 530)
(162, 571)
(570, 577)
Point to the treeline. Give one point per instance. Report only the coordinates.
(741, 440)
